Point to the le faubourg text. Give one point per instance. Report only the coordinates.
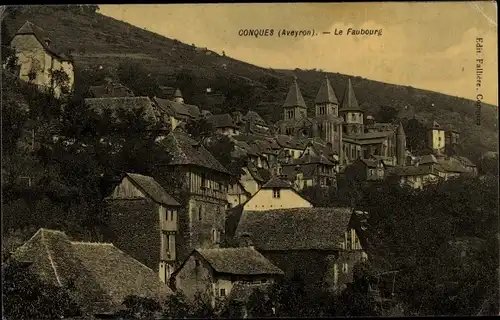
(294, 33)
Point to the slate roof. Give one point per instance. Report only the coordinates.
(110, 90)
(326, 93)
(276, 182)
(222, 121)
(239, 261)
(254, 172)
(465, 161)
(427, 159)
(349, 101)
(242, 291)
(314, 159)
(102, 274)
(29, 28)
(285, 141)
(187, 151)
(254, 116)
(153, 189)
(179, 109)
(411, 171)
(450, 165)
(295, 229)
(129, 104)
(373, 135)
(434, 125)
(294, 97)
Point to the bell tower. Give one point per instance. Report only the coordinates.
(294, 106)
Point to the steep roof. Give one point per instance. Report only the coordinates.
(254, 116)
(411, 171)
(129, 104)
(450, 165)
(276, 182)
(349, 101)
(239, 261)
(285, 141)
(179, 109)
(427, 159)
(153, 189)
(295, 229)
(187, 151)
(294, 97)
(222, 121)
(370, 163)
(110, 90)
(102, 274)
(314, 159)
(326, 93)
(29, 28)
(177, 93)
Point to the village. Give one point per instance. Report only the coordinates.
(224, 235)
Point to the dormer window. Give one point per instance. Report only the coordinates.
(276, 193)
(322, 110)
(289, 114)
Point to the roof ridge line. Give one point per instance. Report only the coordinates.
(50, 259)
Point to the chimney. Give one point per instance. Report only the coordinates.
(246, 240)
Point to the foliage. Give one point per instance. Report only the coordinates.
(386, 114)
(176, 306)
(139, 308)
(416, 138)
(408, 228)
(323, 196)
(26, 297)
(222, 148)
(135, 77)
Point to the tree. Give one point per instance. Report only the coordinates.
(134, 76)
(139, 307)
(387, 114)
(222, 148)
(26, 297)
(176, 306)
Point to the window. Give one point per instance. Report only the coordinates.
(289, 114)
(169, 213)
(214, 236)
(197, 263)
(203, 180)
(200, 213)
(276, 193)
(371, 171)
(172, 214)
(289, 131)
(345, 267)
(353, 117)
(222, 292)
(322, 110)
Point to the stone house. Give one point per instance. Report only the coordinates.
(110, 89)
(200, 183)
(178, 111)
(366, 170)
(320, 245)
(214, 272)
(100, 275)
(277, 193)
(139, 206)
(310, 170)
(39, 62)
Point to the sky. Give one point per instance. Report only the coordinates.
(428, 45)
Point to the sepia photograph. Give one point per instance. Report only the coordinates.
(250, 160)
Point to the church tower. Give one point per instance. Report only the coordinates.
(294, 106)
(352, 112)
(178, 96)
(400, 145)
(327, 124)
(326, 101)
